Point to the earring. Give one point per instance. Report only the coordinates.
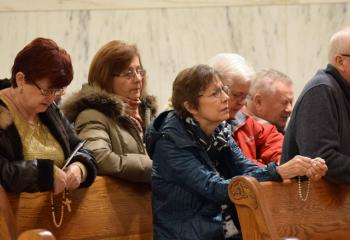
(21, 89)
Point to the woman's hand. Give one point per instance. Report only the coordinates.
(318, 169)
(59, 181)
(297, 166)
(315, 168)
(74, 176)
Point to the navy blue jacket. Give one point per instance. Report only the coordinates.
(187, 191)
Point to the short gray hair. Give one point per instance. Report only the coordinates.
(265, 80)
(232, 67)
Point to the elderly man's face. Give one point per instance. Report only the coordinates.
(345, 67)
(277, 107)
(238, 96)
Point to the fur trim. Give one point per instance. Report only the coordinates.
(92, 97)
(150, 102)
(5, 117)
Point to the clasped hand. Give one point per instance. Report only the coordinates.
(69, 179)
(313, 168)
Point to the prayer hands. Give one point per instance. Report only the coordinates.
(60, 180)
(74, 176)
(318, 169)
(315, 168)
(69, 179)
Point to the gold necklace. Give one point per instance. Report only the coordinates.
(300, 191)
(65, 202)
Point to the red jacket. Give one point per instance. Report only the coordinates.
(261, 143)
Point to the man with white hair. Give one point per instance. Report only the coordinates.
(320, 122)
(261, 143)
(271, 98)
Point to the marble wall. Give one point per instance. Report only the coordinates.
(290, 37)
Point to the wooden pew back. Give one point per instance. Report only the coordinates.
(108, 209)
(7, 220)
(8, 230)
(271, 210)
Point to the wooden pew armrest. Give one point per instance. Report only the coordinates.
(36, 234)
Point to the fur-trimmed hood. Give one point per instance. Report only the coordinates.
(93, 97)
(5, 117)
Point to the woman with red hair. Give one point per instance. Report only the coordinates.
(35, 138)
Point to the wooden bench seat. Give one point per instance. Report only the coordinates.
(8, 229)
(271, 210)
(108, 209)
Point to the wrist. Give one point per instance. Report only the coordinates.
(281, 171)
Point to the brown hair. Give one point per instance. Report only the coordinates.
(112, 58)
(188, 84)
(42, 58)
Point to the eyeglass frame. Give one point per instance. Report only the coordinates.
(50, 92)
(239, 96)
(345, 55)
(131, 73)
(218, 92)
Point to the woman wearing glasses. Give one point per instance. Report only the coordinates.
(35, 138)
(194, 158)
(112, 111)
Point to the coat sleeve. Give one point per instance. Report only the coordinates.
(83, 156)
(18, 175)
(268, 143)
(317, 132)
(130, 166)
(185, 168)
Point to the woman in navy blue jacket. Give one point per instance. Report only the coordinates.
(194, 158)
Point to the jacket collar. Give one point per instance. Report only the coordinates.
(93, 97)
(344, 85)
(48, 118)
(168, 124)
(238, 121)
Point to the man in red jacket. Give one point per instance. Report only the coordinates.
(261, 143)
(271, 98)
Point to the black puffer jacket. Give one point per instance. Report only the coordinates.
(18, 175)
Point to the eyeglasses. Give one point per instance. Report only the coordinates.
(240, 97)
(131, 73)
(50, 92)
(218, 92)
(345, 55)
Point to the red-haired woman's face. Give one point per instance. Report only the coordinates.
(37, 96)
(129, 83)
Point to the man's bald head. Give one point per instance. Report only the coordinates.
(339, 44)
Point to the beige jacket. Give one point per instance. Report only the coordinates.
(99, 118)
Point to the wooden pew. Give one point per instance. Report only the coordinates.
(108, 209)
(271, 210)
(8, 230)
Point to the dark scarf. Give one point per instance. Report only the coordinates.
(214, 143)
